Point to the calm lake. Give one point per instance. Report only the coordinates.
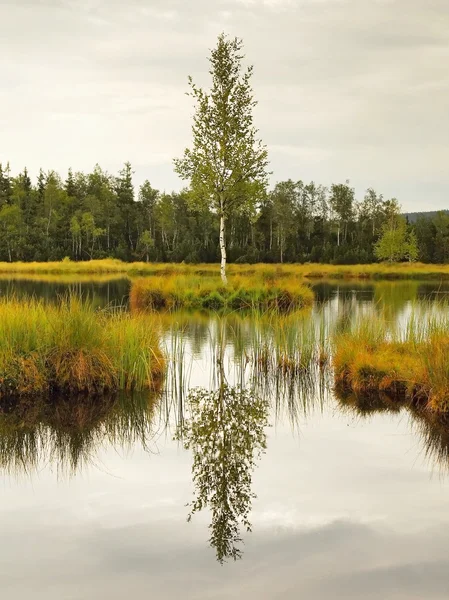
(343, 501)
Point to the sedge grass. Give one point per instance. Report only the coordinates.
(207, 293)
(72, 348)
(278, 356)
(266, 271)
(63, 277)
(410, 364)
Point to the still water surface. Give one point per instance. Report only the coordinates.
(347, 503)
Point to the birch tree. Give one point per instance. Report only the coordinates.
(227, 163)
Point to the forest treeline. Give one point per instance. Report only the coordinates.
(97, 215)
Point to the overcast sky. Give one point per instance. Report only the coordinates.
(347, 89)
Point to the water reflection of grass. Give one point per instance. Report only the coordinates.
(433, 431)
(272, 340)
(431, 428)
(71, 430)
(365, 405)
(283, 359)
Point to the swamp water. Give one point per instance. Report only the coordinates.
(344, 501)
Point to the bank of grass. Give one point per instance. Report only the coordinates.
(67, 267)
(63, 277)
(71, 348)
(410, 366)
(208, 293)
(269, 271)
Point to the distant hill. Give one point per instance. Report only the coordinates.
(414, 216)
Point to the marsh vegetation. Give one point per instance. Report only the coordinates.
(208, 293)
(69, 347)
(408, 362)
(215, 380)
(115, 267)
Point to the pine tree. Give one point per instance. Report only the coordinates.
(5, 185)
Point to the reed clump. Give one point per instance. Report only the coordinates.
(71, 348)
(412, 365)
(291, 344)
(208, 293)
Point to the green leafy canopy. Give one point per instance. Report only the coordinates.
(227, 163)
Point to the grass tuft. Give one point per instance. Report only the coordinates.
(73, 348)
(411, 365)
(208, 293)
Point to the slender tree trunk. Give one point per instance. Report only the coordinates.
(223, 249)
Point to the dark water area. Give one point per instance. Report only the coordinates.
(344, 499)
(102, 291)
(106, 290)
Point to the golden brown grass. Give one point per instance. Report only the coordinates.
(72, 348)
(241, 292)
(373, 359)
(270, 271)
(63, 277)
(65, 267)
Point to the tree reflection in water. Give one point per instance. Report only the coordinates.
(226, 433)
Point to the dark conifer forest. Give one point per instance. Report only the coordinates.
(97, 215)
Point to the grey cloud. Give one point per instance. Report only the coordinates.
(340, 560)
(346, 88)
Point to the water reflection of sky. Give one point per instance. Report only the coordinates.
(347, 507)
(346, 510)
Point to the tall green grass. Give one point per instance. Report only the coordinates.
(70, 347)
